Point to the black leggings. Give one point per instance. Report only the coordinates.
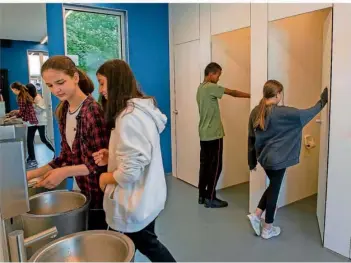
(269, 199)
(146, 241)
(30, 140)
(97, 219)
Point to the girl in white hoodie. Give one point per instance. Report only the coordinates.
(135, 186)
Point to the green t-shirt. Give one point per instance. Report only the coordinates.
(210, 125)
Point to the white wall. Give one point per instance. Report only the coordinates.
(229, 17)
(184, 27)
(185, 22)
(295, 58)
(232, 51)
(259, 33)
(279, 10)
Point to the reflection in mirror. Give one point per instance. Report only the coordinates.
(24, 49)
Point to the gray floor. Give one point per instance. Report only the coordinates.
(194, 233)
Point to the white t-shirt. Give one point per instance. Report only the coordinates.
(40, 110)
(71, 130)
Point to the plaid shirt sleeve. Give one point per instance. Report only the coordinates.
(97, 137)
(26, 112)
(21, 108)
(61, 160)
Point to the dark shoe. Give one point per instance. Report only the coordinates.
(201, 200)
(31, 164)
(215, 203)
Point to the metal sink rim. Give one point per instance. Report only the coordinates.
(127, 241)
(86, 203)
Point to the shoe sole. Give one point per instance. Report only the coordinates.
(266, 238)
(209, 206)
(257, 232)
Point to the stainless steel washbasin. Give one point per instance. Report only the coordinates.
(88, 246)
(65, 210)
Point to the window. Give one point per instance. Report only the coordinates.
(93, 35)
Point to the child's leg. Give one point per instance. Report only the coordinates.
(147, 243)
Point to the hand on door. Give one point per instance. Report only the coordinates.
(324, 97)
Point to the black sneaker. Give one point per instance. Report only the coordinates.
(31, 164)
(215, 203)
(201, 200)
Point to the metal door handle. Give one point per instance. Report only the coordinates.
(318, 121)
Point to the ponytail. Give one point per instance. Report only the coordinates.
(261, 115)
(270, 89)
(23, 92)
(85, 83)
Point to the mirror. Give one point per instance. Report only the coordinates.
(23, 51)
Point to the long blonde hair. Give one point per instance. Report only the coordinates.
(270, 89)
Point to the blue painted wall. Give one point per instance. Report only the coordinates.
(148, 45)
(15, 60)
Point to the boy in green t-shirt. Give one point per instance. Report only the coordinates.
(211, 134)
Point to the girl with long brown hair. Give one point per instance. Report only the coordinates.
(40, 112)
(135, 185)
(83, 131)
(275, 134)
(27, 113)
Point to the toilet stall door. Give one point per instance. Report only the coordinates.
(324, 123)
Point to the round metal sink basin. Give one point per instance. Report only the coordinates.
(88, 246)
(55, 203)
(67, 210)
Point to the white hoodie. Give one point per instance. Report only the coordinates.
(136, 162)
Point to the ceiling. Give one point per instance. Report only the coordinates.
(22, 21)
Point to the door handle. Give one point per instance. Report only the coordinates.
(318, 121)
(175, 112)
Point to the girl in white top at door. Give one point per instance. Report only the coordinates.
(135, 186)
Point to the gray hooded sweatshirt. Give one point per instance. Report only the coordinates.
(278, 146)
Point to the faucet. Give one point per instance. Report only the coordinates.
(18, 244)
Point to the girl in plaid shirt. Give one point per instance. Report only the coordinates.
(83, 131)
(27, 113)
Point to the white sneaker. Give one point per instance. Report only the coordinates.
(255, 223)
(274, 231)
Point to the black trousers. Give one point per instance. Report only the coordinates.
(30, 140)
(269, 199)
(211, 156)
(146, 241)
(97, 220)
